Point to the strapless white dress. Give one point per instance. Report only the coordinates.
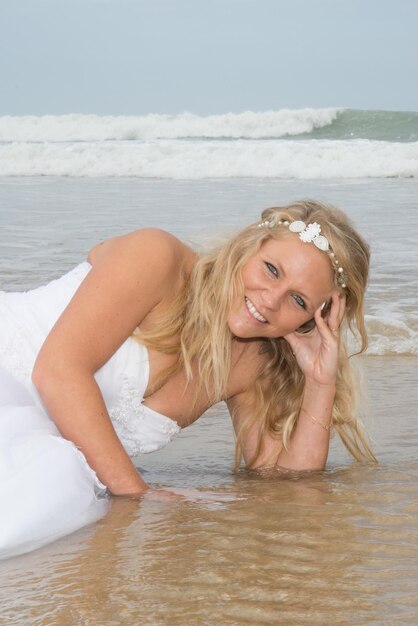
(47, 488)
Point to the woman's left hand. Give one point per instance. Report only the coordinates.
(316, 352)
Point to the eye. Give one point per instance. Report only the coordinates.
(299, 301)
(272, 269)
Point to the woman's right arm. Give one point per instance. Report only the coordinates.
(132, 276)
(317, 356)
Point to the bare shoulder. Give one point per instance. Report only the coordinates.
(143, 245)
(141, 272)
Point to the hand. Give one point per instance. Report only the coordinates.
(162, 494)
(189, 494)
(316, 352)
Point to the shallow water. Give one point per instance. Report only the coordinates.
(48, 224)
(338, 547)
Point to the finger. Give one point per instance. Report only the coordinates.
(335, 321)
(328, 326)
(334, 317)
(322, 325)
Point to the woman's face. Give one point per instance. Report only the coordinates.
(285, 282)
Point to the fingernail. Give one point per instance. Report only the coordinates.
(322, 305)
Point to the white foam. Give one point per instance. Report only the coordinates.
(51, 128)
(390, 336)
(197, 159)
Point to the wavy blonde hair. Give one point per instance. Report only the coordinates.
(198, 317)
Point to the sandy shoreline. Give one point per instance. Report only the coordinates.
(338, 547)
(332, 548)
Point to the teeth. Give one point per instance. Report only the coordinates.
(254, 311)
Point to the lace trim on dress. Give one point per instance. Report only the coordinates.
(140, 428)
(16, 356)
(100, 490)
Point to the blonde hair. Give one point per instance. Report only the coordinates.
(198, 317)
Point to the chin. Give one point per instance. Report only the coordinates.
(243, 331)
(240, 331)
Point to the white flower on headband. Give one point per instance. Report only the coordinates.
(310, 234)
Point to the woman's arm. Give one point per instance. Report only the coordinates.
(132, 277)
(317, 355)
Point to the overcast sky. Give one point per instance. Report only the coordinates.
(206, 56)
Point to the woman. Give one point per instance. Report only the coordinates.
(147, 335)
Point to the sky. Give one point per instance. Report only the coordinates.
(133, 57)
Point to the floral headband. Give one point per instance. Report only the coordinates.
(311, 233)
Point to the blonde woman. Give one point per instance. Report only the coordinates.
(113, 359)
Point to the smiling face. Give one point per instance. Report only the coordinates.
(284, 283)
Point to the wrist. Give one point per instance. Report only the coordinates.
(324, 424)
(314, 386)
(131, 492)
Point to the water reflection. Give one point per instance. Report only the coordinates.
(333, 548)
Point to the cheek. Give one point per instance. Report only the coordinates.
(285, 322)
(246, 277)
(292, 319)
(252, 269)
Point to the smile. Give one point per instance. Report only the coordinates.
(253, 311)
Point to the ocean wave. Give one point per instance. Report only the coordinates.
(396, 126)
(390, 336)
(247, 125)
(327, 123)
(200, 159)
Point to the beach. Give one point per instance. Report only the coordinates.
(332, 548)
(195, 117)
(337, 547)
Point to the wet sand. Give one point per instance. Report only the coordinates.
(338, 547)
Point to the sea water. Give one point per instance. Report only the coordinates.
(338, 547)
(307, 143)
(48, 224)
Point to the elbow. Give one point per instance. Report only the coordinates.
(316, 467)
(55, 377)
(315, 462)
(301, 468)
(303, 463)
(45, 375)
(36, 375)
(40, 375)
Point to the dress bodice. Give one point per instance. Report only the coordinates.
(27, 318)
(46, 485)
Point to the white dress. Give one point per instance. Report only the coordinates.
(47, 488)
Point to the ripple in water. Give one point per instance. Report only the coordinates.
(338, 547)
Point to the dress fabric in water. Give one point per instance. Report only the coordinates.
(47, 488)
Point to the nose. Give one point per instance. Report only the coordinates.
(272, 297)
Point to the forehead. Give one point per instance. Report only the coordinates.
(302, 263)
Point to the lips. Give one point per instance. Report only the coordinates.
(253, 311)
